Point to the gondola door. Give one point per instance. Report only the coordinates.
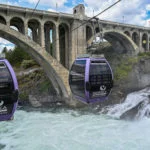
(100, 80)
(8, 90)
(77, 79)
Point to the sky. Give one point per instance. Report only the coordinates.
(135, 12)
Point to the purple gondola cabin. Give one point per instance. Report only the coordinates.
(91, 79)
(8, 90)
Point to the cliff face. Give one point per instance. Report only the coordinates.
(136, 79)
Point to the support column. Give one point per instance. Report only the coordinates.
(8, 22)
(26, 28)
(66, 49)
(80, 40)
(57, 44)
(73, 43)
(148, 42)
(34, 34)
(53, 42)
(70, 48)
(42, 35)
(140, 40)
(147, 45)
(47, 39)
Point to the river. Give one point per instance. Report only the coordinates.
(66, 129)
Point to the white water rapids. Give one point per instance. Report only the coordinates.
(72, 130)
(140, 101)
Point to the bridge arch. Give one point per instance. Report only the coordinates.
(97, 30)
(55, 71)
(50, 20)
(2, 20)
(49, 30)
(18, 23)
(65, 23)
(145, 41)
(127, 33)
(121, 42)
(64, 44)
(89, 32)
(135, 38)
(34, 26)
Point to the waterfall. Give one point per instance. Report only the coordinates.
(136, 105)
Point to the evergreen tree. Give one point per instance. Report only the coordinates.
(16, 56)
(5, 50)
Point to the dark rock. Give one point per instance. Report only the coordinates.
(34, 102)
(2, 146)
(130, 114)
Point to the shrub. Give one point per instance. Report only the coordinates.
(28, 63)
(124, 68)
(144, 54)
(16, 56)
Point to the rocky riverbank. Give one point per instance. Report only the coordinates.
(35, 88)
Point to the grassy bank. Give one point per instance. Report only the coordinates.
(126, 65)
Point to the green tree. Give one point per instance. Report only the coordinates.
(16, 56)
(5, 50)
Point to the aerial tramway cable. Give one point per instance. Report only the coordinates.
(89, 20)
(35, 8)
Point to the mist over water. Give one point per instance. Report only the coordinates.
(65, 129)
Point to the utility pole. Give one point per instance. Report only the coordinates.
(56, 6)
(93, 12)
(123, 19)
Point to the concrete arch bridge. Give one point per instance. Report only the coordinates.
(50, 38)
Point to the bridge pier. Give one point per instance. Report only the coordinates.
(26, 28)
(8, 23)
(42, 36)
(148, 43)
(47, 39)
(140, 43)
(56, 43)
